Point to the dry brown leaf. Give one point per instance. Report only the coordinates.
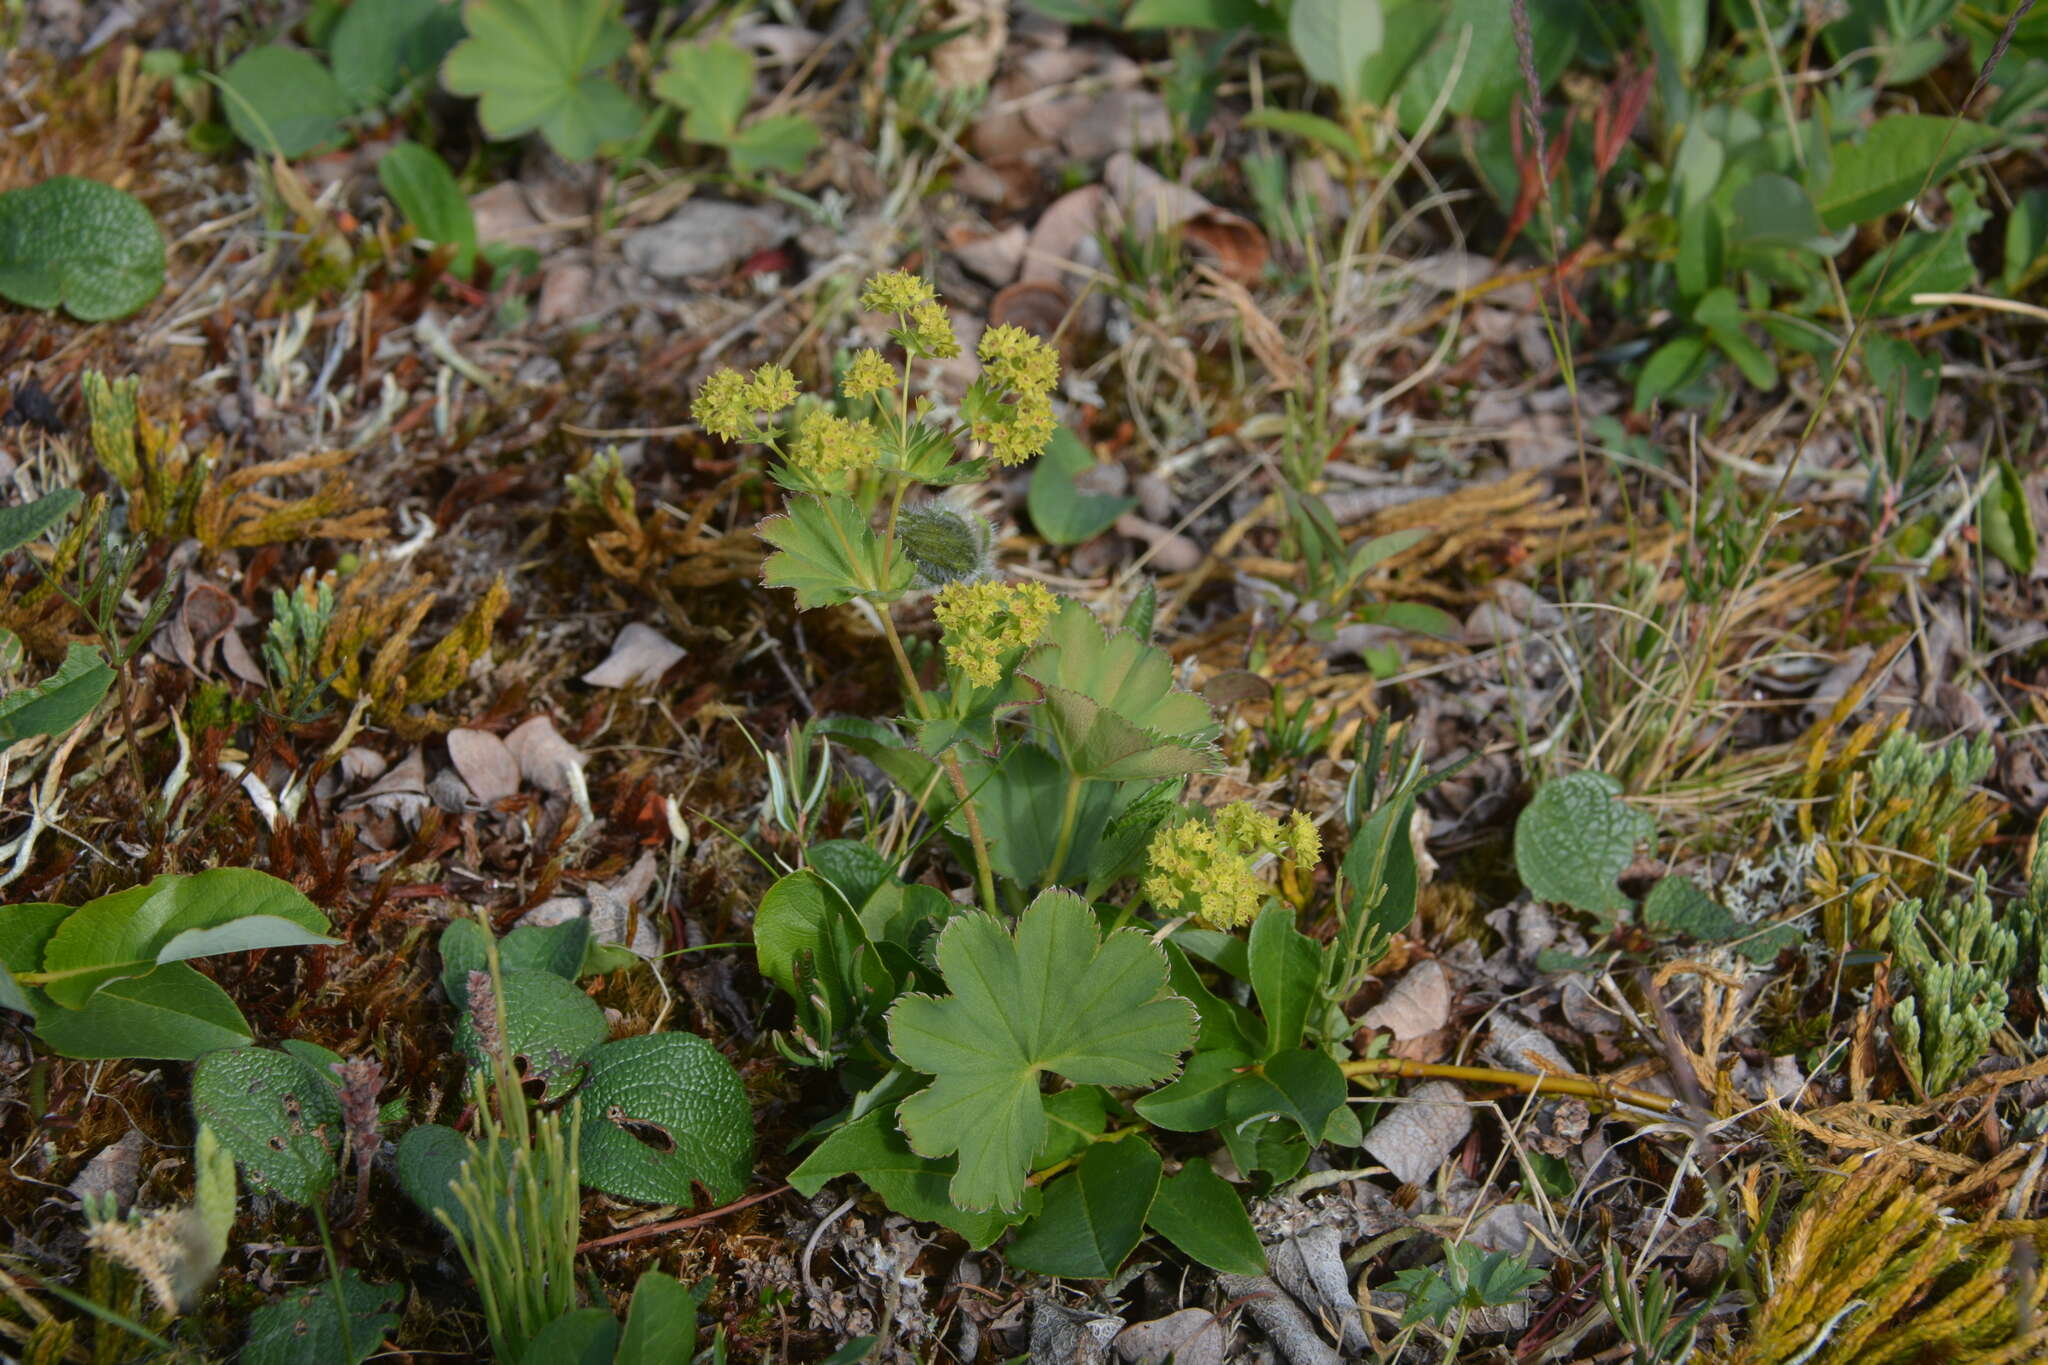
(545, 758)
(1420, 1002)
(640, 655)
(1423, 1129)
(994, 256)
(485, 764)
(1193, 1336)
(1062, 245)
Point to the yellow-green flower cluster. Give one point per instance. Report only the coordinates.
(926, 327)
(867, 376)
(984, 621)
(1016, 364)
(731, 405)
(825, 444)
(1206, 868)
(896, 291)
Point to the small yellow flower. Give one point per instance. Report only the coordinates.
(1248, 827)
(1014, 360)
(1304, 841)
(724, 407)
(1196, 871)
(985, 620)
(825, 444)
(868, 375)
(772, 389)
(1024, 435)
(896, 291)
(930, 331)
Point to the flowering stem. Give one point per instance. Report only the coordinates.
(1069, 809)
(984, 874)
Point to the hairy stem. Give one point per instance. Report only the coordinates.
(1069, 809)
(984, 871)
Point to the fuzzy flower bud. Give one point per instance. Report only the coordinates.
(983, 621)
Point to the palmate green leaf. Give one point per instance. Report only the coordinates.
(87, 247)
(58, 702)
(127, 934)
(1093, 1217)
(1056, 998)
(827, 554)
(1576, 838)
(1110, 699)
(662, 1114)
(710, 81)
(537, 65)
(279, 1117)
(780, 142)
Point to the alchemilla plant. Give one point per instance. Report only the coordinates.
(1119, 967)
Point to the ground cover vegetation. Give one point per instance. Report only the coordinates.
(1073, 680)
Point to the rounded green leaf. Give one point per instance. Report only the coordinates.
(424, 189)
(550, 1027)
(661, 1113)
(1094, 1217)
(1576, 838)
(382, 46)
(279, 1117)
(1334, 39)
(282, 100)
(430, 1159)
(305, 1325)
(87, 247)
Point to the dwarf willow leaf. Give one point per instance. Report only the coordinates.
(537, 64)
(280, 1118)
(58, 702)
(1576, 838)
(1094, 1217)
(1063, 511)
(173, 1014)
(20, 525)
(1054, 998)
(827, 553)
(132, 932)
(81, 245)
(662, 1113)
(1200, 1213)
(1111, 701)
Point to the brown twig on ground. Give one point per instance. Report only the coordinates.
(679, 1224)
(1585, 1087)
